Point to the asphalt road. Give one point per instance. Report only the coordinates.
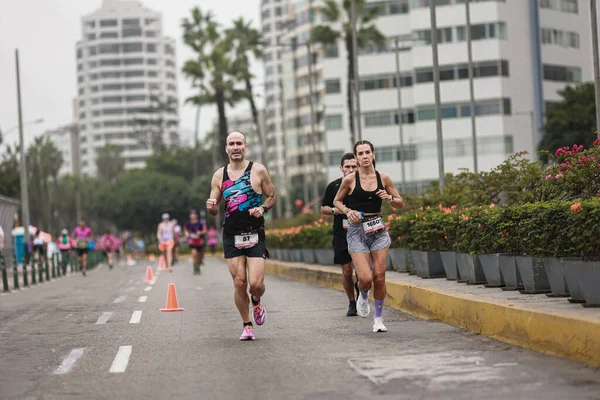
(92, 338)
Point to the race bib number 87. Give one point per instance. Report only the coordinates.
(245, 240)
(373, 225)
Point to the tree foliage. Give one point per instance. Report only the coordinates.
(571, 120)
(109, 162)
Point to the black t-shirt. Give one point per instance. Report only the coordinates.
(330, 192)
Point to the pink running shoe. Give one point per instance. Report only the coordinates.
(248, 333)
(260, 313)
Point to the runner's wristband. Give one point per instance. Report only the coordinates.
(265, 209)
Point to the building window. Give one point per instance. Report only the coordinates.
(151, 47)
(334, 157)
(132, 47)
(334, 122)
(332, 86)
(330, 50)
(569, 6)
(131, 22)
(560, 73)
(278, 11)
(106, 35)
(557, 37)
(108, 22)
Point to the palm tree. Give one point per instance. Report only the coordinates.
(247, 40)
(109, 162)
(212, 70)
(366, 32)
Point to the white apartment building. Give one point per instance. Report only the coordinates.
(126, 73)
(509, 104)
(65, 140)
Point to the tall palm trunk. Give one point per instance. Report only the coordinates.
(348, 40)
(259, 132)
(220, 100)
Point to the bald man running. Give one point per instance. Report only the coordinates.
(242, 184)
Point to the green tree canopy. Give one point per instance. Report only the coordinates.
(571, 120)
(109, 162)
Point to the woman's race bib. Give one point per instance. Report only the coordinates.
(373, 224)
(82, 244)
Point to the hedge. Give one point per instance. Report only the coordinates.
(547, 229)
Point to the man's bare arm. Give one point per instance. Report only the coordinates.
(214, 200)
(268, 190)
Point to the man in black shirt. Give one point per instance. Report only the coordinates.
(340, 226)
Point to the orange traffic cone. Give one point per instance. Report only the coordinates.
(149, 275)
(172, 304)
(152, 258)
(162, 264)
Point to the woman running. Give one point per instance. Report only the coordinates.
(165, 236)
(368, 239)
(211, 235)
(195, 231)
(83, 235)
(107, 243)
(65, 244)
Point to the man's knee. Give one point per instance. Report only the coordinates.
(240, 284)
(347, 271)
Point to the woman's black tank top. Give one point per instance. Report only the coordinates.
(362, 200)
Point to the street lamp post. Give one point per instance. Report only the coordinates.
(24, 184)
(356, 112)
(471, 85)
(436, 87)
(594, 16)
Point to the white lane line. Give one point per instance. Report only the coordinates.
(147, 289)
(120, 299)
(142, 299)
(69, 361)
(136, 317)
(104, 318)
(121, 360)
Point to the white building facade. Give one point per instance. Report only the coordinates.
(508, 104)
(126, 75)
(64, 139)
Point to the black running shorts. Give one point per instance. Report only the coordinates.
(257, 251)
(341, 255)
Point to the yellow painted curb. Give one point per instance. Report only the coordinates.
(574, 338)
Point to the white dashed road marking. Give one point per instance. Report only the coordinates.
(120, 299)
(69, 361)
(121, 359)
(135, 317)
(142, 299)
(148, 288)
(104, 318)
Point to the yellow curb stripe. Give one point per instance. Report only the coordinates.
(574, 338)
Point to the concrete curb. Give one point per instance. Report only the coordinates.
(569, 336)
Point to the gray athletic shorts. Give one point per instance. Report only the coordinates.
(360, 242)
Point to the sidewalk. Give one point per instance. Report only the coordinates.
(549, 325)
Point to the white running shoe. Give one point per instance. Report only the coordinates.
(378, 325)
(362, 307)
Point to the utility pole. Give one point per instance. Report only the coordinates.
(24, 183)
(313, 133)
(436, 86)
(594, 15)
(356, 111)
(471, 85)
(400, 130)
(288, 198)
(196, 135)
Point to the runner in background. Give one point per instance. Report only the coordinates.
(195, 230)
(107, 243)
(176, 241)
(211, 235)
(341, 255)
(165, 236)
(82, 235)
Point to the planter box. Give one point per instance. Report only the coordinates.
(274, 254)
(324, 256)
(574, 277)
(308, 256)
(415, 260)
(590, 285)
(490, 263)
(400, 259)
(295, 255)
(431, 265)
(535, 279)
(510, 272)
(555, 269)
(449, 263)
(470, 269)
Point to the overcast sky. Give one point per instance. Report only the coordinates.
(46, 31)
